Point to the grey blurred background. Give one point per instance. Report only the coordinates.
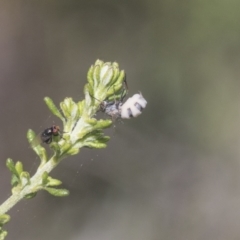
(172, 173)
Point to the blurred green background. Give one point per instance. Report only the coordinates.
(173, 172)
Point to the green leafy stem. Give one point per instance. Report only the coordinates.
(80, 129)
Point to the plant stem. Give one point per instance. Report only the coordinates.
(35, 185)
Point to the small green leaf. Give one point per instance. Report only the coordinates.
(96, 76)
(65, 147)
(52, 182)
(19, 167)
(11, 167)
(107, 75)
(95, 145)
(57, 192)
(90, 76)
(66, 137)
(121, 77)
(103, 139)
(74, 112)
(84, 132)
(80, 107)
(116, 93)
(30, 195)
(91, 121)
(30, 136)
(3, 234)
(45, 178)
(4, 219)
(101, 124)
(99, 62)
(49, 181)
(65, 110)
(73, 151)
(14, 180)
(52, 107)
(88, 100)
(115, 73)
(41, 152)
(88, 89)
(70, 109)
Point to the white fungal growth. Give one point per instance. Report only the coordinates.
(133, 106)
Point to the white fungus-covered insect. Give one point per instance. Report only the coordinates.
(133, 106)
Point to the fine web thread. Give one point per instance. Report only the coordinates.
(80, 166)
(32, 168)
